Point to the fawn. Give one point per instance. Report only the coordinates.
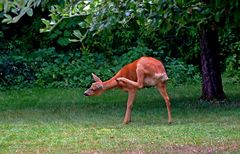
(145, 71)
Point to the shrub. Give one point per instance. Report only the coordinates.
(49, 68)
(233, 63)
(180, 72)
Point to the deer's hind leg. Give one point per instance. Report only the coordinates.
(161, 86)
(131, 98)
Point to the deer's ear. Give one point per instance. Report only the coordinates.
(95, 78)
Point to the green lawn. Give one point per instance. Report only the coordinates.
(64, 121)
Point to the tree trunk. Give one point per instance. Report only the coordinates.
(212, 88)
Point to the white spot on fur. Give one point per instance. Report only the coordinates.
(153, 80)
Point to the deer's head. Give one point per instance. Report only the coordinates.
(96, 87)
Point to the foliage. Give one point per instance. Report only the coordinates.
(163, 16)
(15, 70)
(18, 9)
(49, 68)
(153, 19)
(230, 50)
(180, 72)
(69, 70)
(233, 62)
(102, 36)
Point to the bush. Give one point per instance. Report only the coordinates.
(15, 71)
(49, 68)
(62, 69)
(233, 63)
(180, 72)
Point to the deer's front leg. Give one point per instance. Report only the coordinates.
(138, 84)
(131, 97)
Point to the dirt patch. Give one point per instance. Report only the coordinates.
(184, 149)
(233, 147)
(172, 149)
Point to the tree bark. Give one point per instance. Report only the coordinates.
(212, 88)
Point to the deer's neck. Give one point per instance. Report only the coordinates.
(109, 84)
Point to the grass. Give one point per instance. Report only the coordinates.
(63, 121)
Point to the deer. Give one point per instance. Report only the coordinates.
(143, 72)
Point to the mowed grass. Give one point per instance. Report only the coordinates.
(64, 121)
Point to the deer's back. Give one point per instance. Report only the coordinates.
(150, 66)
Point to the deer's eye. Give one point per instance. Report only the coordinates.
(99, 86)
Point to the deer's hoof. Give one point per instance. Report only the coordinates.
(126, 122)
(120, 79)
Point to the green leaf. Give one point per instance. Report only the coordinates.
(83, 24)
(67, 33)
(7, 16)
(21, 3)
(24, 10)
(42, 30)
(74, 40)
(8, 19)
(30, 3)
(1, 7)
(37, 3)
(217, 16)
(46, 22)
(86, 8)
(6, 6)
(89, 20)
(30, 12)
(77, 33)
(14, 10)
(63, 41)
(1, 34)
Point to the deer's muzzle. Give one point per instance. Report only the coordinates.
(86, 94)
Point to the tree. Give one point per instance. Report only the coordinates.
(210, 66)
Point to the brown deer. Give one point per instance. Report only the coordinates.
(145, 71)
